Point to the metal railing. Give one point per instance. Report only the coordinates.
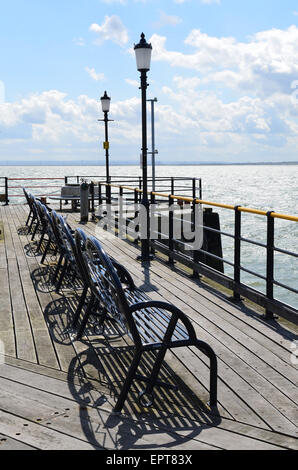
(178, 184)
(11, 188)
(173, 249)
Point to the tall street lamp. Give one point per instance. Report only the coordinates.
(143, 52)
(105, 104)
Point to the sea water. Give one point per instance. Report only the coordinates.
(265, 187)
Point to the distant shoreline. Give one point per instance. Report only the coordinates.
(72, 163)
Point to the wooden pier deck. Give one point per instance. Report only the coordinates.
(55, 394)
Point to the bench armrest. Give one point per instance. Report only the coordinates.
(123, 274)
(177, 313)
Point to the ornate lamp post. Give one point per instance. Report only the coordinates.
(143, 52)
(105, 104)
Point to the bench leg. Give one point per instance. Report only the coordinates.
(86, 316)
(45, 251)
(41, 240)
(57, 269)
(128, 381)
(79, 307)
(208, 351)
(35, 230)
(31, 224)
(63, 272)
(29, 216)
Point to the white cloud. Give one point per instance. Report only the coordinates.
(122, 2)
(79, 41)
(134, 83)
(93, 74)
(112, 29)
(2, 92)
(266, 64)
(206, 2)
(165, 20)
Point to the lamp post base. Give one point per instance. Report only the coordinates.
(145, 259)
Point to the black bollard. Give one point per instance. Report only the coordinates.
(84, 202)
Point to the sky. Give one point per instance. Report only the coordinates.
(224, 72)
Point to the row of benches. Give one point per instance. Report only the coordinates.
(152, 325)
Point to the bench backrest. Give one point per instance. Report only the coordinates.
(41, 214)
(64, 235)
(106, 283)
(70, 246)
(75, 191)
(32, 203)
(70, 191)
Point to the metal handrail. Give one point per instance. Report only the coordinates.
(209, 203)
(271, 304)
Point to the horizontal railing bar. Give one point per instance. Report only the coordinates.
(253, 242)
(224, 206)
(210, 229)
(212, 255)
(284, 310)
(280, 284)
(33, 179)
(253, 273)
(290, 253)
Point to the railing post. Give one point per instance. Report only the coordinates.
(194, 181)
(237, 252)
(6, 191)
(121, 220)
(99, 194)
(270, 264)
(84, 202)
(108, 194)
(172, 185)
(153, 220)
(171, 230)
(92, 200)
(136, 202)
(195, 273)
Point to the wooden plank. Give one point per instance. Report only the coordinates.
(39, 436)
(24, 342)
(7, 443)
(6, 318)
(285, 405)
(249, 390)
(63, 352)
(43, 343)
(240, 409)
(56, 413)
(274, 396)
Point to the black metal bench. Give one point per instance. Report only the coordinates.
(152, 325)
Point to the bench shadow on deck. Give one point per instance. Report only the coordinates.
(257, 381)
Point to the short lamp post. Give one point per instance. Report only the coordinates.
(105, 104)
(143, 52)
